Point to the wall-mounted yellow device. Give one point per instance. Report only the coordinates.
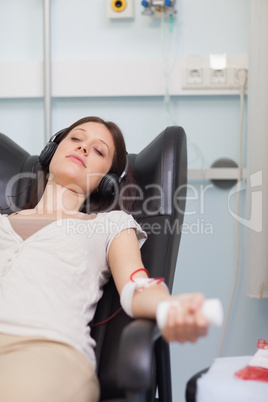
(118, 5)
(120, 8)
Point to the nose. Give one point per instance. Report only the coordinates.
(83, 148)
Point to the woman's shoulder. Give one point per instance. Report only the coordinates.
(21, 214)
(117, 215)
(122, 220)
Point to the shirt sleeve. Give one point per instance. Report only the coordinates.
(119, 221)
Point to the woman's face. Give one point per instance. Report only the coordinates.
(83, 158)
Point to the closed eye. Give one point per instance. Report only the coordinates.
(75, 139)
(98, 152)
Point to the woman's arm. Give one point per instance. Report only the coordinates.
(185, 321)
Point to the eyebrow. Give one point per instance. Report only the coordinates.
(101, 140)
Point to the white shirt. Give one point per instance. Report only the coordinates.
(51, 282)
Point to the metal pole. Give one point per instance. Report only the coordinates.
(47, 70)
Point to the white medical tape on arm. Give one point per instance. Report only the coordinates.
(138, 284)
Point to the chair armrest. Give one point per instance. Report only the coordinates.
(136, 355)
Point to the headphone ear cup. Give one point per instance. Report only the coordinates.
(47, 154)
(108, 186)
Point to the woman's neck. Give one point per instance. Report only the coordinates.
(57, 199)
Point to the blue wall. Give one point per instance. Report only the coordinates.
(80, 31)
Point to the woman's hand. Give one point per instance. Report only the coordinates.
(185, 321)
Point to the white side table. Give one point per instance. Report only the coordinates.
(220, 384)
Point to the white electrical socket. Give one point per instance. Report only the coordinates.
(218, 78)
(195, 76)
(240, 62)
(218, 72)
(193, 72)
(119, 8)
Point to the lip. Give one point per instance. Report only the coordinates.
(77, 159)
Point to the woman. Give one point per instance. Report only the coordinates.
(46, 352)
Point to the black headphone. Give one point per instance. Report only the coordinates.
(109, 184)
(49, 150)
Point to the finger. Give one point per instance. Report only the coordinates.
(172, 331)
(196, 302)
(183, 324)
(174, 319)
(202, 323)
(194, 326)
(191, 330)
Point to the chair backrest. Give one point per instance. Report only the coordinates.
(161, 174)
(17, 174)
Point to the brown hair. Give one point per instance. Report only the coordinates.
(95, 202)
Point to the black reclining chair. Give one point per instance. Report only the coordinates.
(191, 386)
(133, 359)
